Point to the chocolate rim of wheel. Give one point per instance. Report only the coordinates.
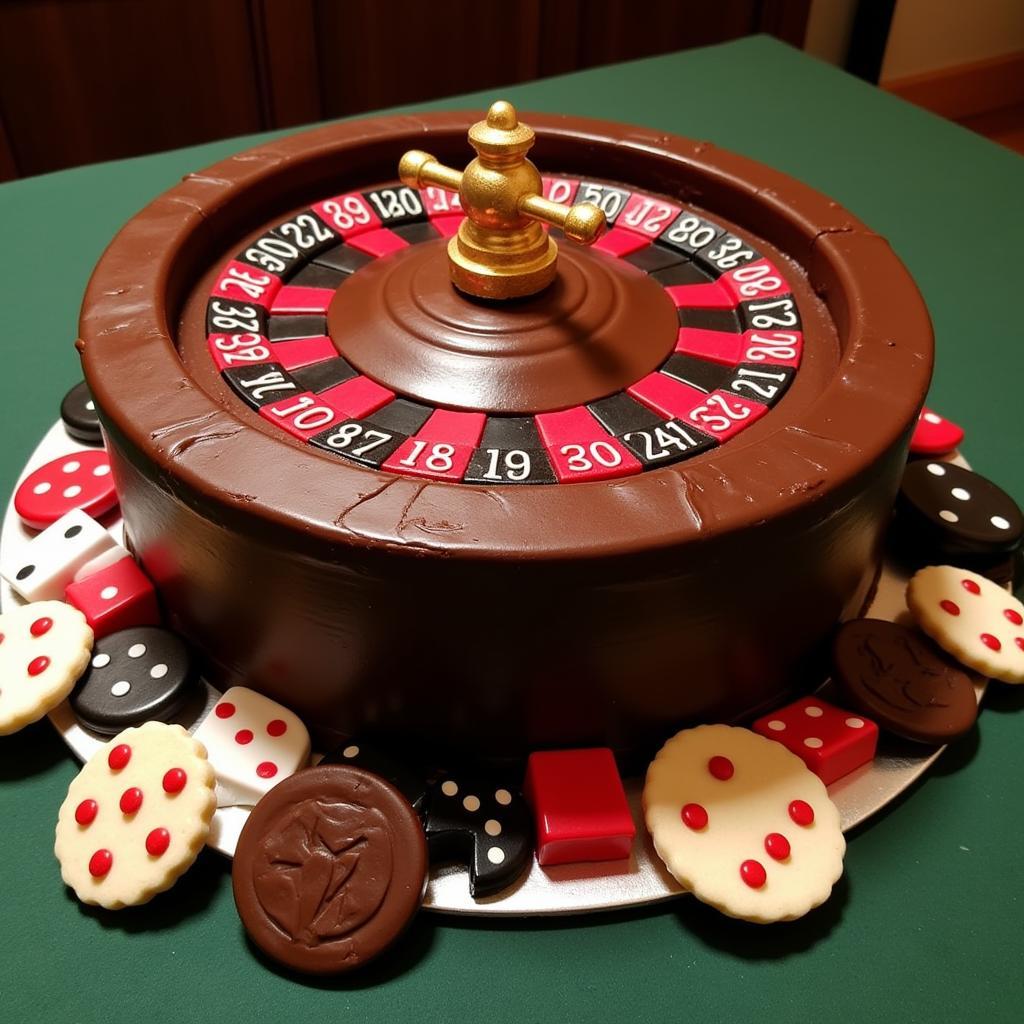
(257, 480)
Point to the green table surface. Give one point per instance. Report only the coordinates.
(927, 922)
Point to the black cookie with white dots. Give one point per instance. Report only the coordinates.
(134, 676)
(372, 758)
(955, 512)
(78, 411)
(486, 827)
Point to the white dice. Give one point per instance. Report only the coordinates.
(253, 743)
(42, 568)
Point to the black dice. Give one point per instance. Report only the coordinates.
(135, 676)
(372, 758)
(482, 825)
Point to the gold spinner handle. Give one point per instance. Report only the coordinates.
(501, 251)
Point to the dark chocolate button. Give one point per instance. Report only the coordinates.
(329, 869)
(901, 680)
(135, 676)
(951, 511)
(78, 411)
(485, 826)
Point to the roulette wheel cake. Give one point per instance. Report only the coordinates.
(503, 459)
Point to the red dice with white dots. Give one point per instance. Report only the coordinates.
(579, 806)
(114, 598)
(253, 743)
(830, 741)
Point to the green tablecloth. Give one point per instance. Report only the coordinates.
(926, 925)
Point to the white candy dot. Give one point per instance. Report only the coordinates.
(108, 593)
(960, 494)
(776, 725)
(950, 517)
(495, 855)
(855, 723)
(41, 488)
(71, 467)
(930, 417)
(449, 788)
(351, 751)
(158, 671)
(936, 469)
(101, 470)
(813, 711)
(120, 688)
(136, 650)
(91, 406)
(1000, 523)
(471, 803)
(492, 827)
(101, 661)
(813, 742)
(504, 797)
(73, 491)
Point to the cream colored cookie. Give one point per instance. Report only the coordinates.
(972, 618)
(743, 824)
(44, 648)
(136, 816)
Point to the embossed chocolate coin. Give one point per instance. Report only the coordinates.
(903, 681)
(329, 869)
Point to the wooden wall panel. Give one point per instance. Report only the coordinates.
(98, 80)
(88, 80)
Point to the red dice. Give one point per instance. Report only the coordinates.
(830, 741)
(114, 598)
(579, 806)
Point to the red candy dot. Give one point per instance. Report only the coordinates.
(119, 756)
(950, 607)
(41, 626)
(86, 811)
(100, 863)
(38, 665)
(157, 842)
(721, 768)
(243, 736)
(971, 587)
(776, 846)
(224, 710)
(753, 873)
(276, 727)
(174, 780)
(991, 642)
(694, 816)
(801, 812)
(1014, 617)
(1019, 641)
(131, 800)
(266, 769)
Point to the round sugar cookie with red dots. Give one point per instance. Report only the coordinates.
(136, 816)
(44, 648)
(972, 618)
(743, 824)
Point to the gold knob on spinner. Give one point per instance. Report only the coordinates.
(501, 251)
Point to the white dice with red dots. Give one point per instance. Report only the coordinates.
(79, 481)
(742, 823)
(116, 597)
(830, 741)
(42, 568)
(253, 743)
